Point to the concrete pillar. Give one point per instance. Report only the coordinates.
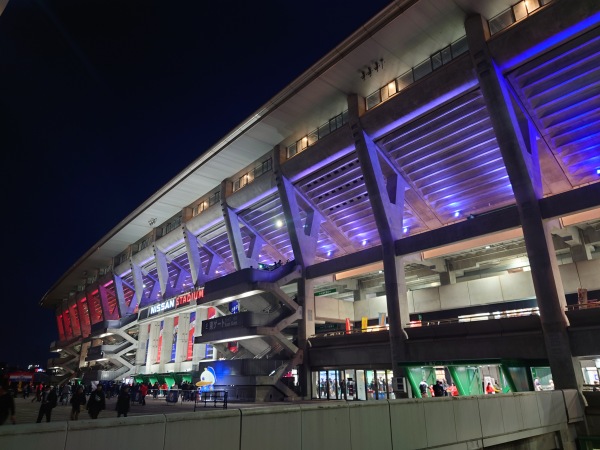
(151, 361)
(84, 316)
(306, 329)
(110, 309)
(386, 195)
(142, 346)
(199, 349)
(162, 270)
(167, 343)
(448, 277)
(516, 140)
(581, 253)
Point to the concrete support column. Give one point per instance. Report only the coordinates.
(306, 329)
(448, 277)
(84, 316)
(516, 140)
(124, 309)
(386, 195)
(138, 283)
(153, 346)
(74, 315)
(109, 310)
(304, 235)
(581, 253)
(142, 345)
(183, 328)
(162, 269)
(199, 349)
(241, 258)
(167, 343)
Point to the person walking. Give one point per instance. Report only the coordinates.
(77, 401)
(65, 392)
(123, 402)
(48, 401)
(96, 402)
(7, 404)
(143, 393)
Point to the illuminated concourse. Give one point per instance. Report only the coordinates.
(423, 204)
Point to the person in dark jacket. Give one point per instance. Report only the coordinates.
(49, 400)
(77, 401)
(7, 404)
(123, 401)
(96, 402)
(438, 389)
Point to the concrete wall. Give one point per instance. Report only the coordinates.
(448, 422)
(482, 291)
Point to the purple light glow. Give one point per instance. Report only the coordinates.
(551, 42)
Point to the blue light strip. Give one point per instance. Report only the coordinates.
(556, 39)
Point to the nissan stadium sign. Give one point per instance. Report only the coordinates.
(176, 302)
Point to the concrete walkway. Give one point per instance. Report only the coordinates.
(27, 411)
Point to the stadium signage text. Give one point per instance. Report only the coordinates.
(177, 302)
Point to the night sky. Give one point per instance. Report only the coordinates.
(102, 102)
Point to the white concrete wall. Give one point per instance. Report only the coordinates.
(482, 291)
(448, 422)
(328, 308)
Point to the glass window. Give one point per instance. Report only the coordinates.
(520, 11)
(446, 55)
(531, 5)
(313, 137)
(391, 88)
(292, 150)
(323, 130)
(501, 21)
(436, 60)
(459, 47)
(404, 80)
(422, 69)
(360, 384)
(344, 117)
(373, 100)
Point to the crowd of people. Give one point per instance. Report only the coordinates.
(439, 389)
(91, 398)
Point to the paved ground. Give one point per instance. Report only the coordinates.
(27, 411)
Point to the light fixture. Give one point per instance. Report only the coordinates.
(279, 223)
(329, 253)
(456, 213)
(405, 230)
(364, 242)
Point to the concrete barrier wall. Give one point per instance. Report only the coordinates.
(448, 422)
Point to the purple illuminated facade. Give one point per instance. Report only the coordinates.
(458, 175)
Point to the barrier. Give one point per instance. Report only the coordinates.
(214, 397)
(457, 422)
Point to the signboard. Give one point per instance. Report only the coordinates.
(325, 292)
(176, 302)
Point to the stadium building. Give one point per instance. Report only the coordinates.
(422, 204)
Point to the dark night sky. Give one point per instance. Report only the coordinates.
(102, 102)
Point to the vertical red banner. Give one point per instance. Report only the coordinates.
(160, 336)
(175, 332)
(190, 348)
